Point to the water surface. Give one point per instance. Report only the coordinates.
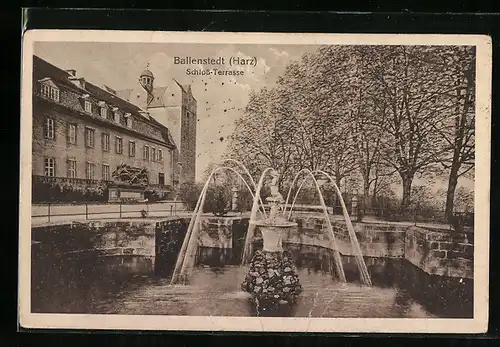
(127, 285)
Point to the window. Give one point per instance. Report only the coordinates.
(161, 179)
(50, 167)
(160, 155)
(72, 133)
(90, 171)
(146, 152)
(71, 168)
(153, 154)
(88, 106)
(89, 137)
(117, 117)
(105, 142)
(119, 145)
(131, 148)
(129, 122)
(49, 128)
(104, 112)
(105, 172)
(50, 92)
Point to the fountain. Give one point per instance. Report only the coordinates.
(271, 279)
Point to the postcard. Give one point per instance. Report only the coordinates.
(252, 182)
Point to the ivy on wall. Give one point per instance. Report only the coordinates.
(49, 190)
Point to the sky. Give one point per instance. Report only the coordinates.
(220, 98)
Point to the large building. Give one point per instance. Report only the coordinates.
(84, 132)
(174, 107)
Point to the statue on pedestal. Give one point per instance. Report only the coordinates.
(271, 279)
(129, 183)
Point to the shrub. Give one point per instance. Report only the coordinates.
(43, 191)
(218, 201)
(189, 194)
(245, 201)
(153, 195)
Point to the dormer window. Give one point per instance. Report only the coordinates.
(88, 106)
(103, 111)
(128, 119)
(117, 117)
(49, 91)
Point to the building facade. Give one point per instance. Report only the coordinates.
(175, 107)
(84, 132)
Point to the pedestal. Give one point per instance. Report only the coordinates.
(272, 279)
(124, 192)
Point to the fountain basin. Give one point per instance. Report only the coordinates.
(272, 234)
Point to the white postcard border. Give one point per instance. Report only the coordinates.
(478, 324)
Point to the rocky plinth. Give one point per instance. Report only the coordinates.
(272, 279)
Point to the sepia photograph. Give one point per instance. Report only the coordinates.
(255, 182)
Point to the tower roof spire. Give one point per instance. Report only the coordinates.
(147, 72)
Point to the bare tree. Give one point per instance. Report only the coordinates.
(263, 136)
(325, 126)
(377, 110)
(459, 131)
(382, 179)
(409, 110)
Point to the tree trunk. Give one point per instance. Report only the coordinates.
(366, 196)
(338, 179)
(450, 194)
(407, 182)
(374, 191)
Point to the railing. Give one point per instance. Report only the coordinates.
(53, 212)
(414, 215)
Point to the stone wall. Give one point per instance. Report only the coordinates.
(169, 237)
(436, 252)
(216, 233)
(440, 252)
(375, 239)
(106, 238)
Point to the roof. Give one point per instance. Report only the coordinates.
(157, 97)
(147, 73)
(43, 69)
(184, 88)
(157, 94)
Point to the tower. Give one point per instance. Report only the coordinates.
(147, 78)
(174, 107)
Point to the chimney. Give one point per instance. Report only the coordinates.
(145, 114)
(110, 90)
(71, 72)
(79, 82)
